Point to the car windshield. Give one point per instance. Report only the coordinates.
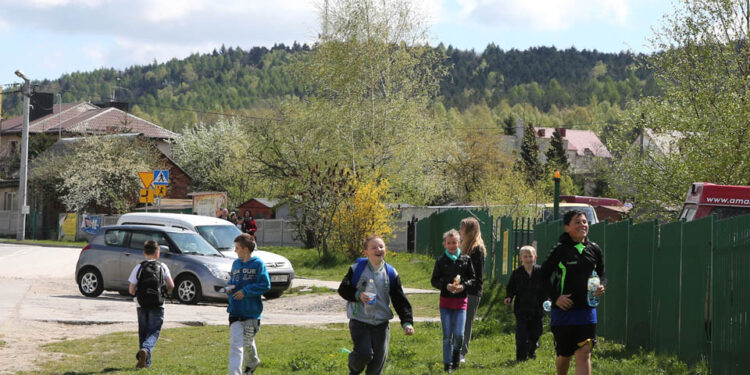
(191, 243)
(589, 211)
(219, 236)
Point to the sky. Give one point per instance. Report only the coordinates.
(48, 38)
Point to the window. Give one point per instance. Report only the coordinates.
(139, 238)
(727, 212)
(10, 201)
(115, 237)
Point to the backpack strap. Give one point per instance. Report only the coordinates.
(140, 270)
(359, 267)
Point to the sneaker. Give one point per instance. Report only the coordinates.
(463, 359)
(248, 371)
(142, 356)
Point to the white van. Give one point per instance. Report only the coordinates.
(220, 234)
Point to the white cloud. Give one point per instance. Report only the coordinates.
(4, 25)
(547, 15)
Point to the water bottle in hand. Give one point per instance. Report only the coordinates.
(547, 305)
(593, 285)
(371, 294)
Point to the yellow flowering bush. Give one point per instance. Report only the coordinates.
(364, 213)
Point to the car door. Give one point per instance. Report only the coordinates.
(108, 256)
(133, 253)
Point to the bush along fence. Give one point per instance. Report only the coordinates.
(679, 288)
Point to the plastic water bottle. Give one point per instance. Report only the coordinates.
(227, 289)
(547, 305)
(371, 293)
(593, 286)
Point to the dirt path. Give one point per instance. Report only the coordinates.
(51, 310)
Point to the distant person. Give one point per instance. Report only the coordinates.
(473, 245)
(148, 282)
(528, 290)
(248, 281)
(572, 320)
(369, 316)
(233, 218)
(453, 275)
(248, 223)
(224, 214)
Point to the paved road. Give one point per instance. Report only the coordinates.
(37, 283)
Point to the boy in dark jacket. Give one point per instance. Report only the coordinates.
(528, 289)
(572, 320)
(369, 315)
(248, 281)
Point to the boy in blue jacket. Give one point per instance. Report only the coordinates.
(248, 281)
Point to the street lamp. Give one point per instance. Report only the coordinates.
(23, 208)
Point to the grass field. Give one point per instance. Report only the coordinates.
(414, 269)
(307, 350)
(319, 349)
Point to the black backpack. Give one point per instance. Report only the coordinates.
(150, 287)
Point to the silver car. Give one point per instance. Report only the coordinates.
(198, 269)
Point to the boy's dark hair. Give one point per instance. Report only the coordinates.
(150, 247)
(245, 240)
(570, 215)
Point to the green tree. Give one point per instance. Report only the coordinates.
(704, 109)
(509, 125)
(528, 161)
(96, 173)
(557, 157)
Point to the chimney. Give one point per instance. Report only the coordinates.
(540, 133)
(42, 104)
(561, 131)
(519, 133)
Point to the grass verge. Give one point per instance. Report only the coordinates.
(415, 270)
(46, 242)
(308, 350)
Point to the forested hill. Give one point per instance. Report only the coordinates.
(230, 79)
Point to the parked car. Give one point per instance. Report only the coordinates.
(548, 214)
(220, 234)
(198, 269)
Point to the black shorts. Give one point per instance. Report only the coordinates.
(569, 338)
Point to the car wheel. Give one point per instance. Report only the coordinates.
(90, 282)
(188, 290)
(274, 294)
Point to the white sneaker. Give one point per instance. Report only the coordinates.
(463, 359)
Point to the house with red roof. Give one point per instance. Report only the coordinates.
(582, 147)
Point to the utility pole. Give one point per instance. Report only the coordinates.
(23, 209)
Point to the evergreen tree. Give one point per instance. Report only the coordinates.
(528, 163)
(509, 125)
(556, 156)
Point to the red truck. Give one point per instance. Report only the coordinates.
(609, 209)
(725, 201)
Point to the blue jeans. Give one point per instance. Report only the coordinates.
(149, 327)
(453, 321)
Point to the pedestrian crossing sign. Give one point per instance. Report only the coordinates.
(161, 177)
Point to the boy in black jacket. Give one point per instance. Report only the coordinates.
(572, 320)
(528, 289)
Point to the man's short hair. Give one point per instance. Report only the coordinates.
(150, 247)
(245, 240)
(570, 215)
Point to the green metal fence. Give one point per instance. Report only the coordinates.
(679, 288)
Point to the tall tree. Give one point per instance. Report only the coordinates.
(528, 161)
(557, 157)
(705, 109)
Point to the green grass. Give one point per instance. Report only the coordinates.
(307, 350)
(47, 242)
(415, 270)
